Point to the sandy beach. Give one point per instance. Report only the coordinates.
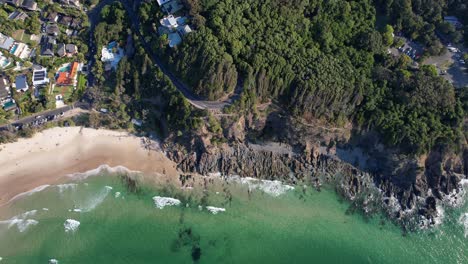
(52, 155)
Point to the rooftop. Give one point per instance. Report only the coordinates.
(21, 83)
(162, 2)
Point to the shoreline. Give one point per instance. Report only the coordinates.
(51, 156)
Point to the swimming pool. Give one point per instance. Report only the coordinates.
(12, 51)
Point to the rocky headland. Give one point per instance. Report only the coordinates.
(410, 189)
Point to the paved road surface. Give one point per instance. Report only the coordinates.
(30, 119)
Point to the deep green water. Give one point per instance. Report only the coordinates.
(257, 228)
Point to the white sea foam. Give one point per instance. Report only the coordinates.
(90, 203)
(45, 209)
(117, 194)
(162, 202)
(463, 220)
(215, 210)
(71, 225)
(22, 221)
(31, 192)
(66, 187)
(53, 261)
(214, 174)
(103, 169)
(458, 196)
(274, 188)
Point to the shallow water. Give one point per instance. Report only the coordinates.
(297, 227)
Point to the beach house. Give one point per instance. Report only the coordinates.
(21, 84)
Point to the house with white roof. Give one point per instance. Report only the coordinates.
(39, 76)
(111, 55)
(175, 28)
(162, 2)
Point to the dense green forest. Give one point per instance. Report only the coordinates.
(325, 60)
(422, 19)
(136, 89)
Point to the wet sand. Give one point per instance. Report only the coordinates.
(52, 155)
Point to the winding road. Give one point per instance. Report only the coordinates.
(196, 101)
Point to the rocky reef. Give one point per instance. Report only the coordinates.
(408, 190)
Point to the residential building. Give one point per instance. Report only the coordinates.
(67, 50)
(47, 46)
(184, 30)
(76, 23)
(68, 77)
(172, 22)
(21, 83)
(6, 42)
(162, 2)
(21, 50)
(174, 39)
(71, 49)
(29, 5)
(52, 17)
(175, 28)
(71, 3)
(111, 55)
(4, 88)
(53, 30)
(454, 21)
(39, 76)
(17, 15)
(65, 20)
(61, 50)
(4, 61)
(172, 6)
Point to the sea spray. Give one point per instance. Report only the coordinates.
(90, 203)
(161, 202)
(215, 210)
(463, 220)
(30, 192)
(71, 225)
(22, 221)
(104, 170)
(66, 187)
(273, 188)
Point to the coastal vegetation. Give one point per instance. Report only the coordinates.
(136, 88)
(324, 60)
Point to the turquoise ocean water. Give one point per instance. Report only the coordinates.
(118, 226)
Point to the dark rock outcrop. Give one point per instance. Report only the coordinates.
(407, 191)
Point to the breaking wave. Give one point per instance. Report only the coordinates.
(103, 169)
(161, 202)
(31, 192)
(22, 221)
(71, 225)
(90, 203)
(273, 188)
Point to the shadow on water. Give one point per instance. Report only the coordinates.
(187, 238)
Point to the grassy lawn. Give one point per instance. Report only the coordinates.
(81, 86)
(65, 91)
(18, 34)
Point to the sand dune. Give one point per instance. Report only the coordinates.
(51, 155)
